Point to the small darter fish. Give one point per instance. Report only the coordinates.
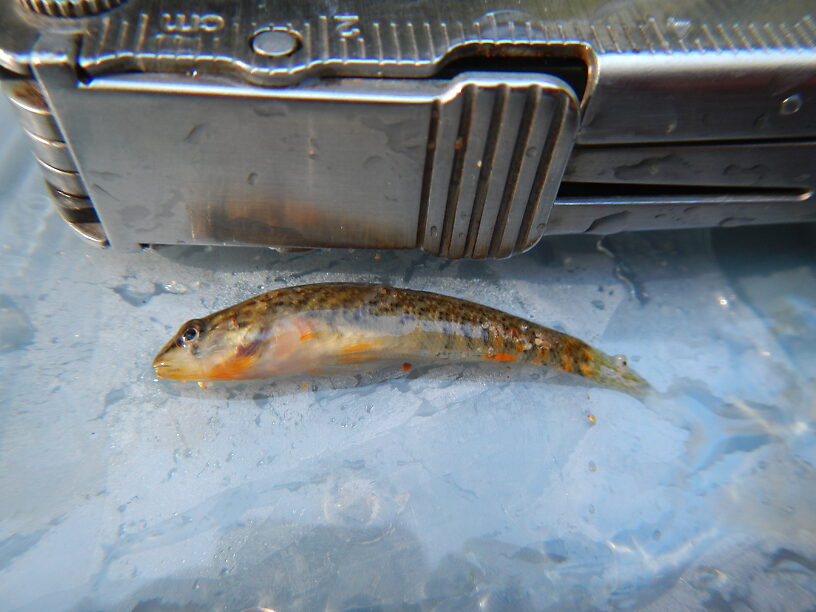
(330, 328)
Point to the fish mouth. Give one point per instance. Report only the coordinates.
(163, 369)
(167, 370)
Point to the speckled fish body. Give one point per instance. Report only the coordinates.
(333, 327)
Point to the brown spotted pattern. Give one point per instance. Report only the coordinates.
(460, 325)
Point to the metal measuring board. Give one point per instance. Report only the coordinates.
(464, 129)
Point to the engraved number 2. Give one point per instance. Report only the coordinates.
(346, 25)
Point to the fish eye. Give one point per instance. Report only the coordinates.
(190, 333)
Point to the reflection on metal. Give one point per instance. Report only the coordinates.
(610, 215)
(448, 129)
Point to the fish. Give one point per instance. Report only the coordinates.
(328, 328)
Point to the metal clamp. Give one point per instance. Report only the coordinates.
(461, 167)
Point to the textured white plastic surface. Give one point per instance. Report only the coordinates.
(457, 489)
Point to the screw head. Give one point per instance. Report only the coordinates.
(275, 42)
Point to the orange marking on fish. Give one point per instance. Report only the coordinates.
(500, 357)
(356, 348)
(232, 368)
(303, 327)
(406, 366)
(586, 369)
(567, 364)
(357, 357)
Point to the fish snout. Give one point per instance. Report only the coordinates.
(164, 365)
(162, 368)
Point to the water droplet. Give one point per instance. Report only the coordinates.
(174, 287)
(681, 26)
(790, 105)
(434, 231)
(485, 324)
(524, 327)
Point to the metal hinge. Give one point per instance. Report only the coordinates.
(55, 160)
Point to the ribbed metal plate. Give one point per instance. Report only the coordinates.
(496, 154)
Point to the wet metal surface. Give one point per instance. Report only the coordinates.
(454, 489)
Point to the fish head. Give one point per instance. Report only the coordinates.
(194, 351)
(238, 343)
(219, 346)
(614, 372)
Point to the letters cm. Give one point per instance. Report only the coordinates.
(191, 23)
